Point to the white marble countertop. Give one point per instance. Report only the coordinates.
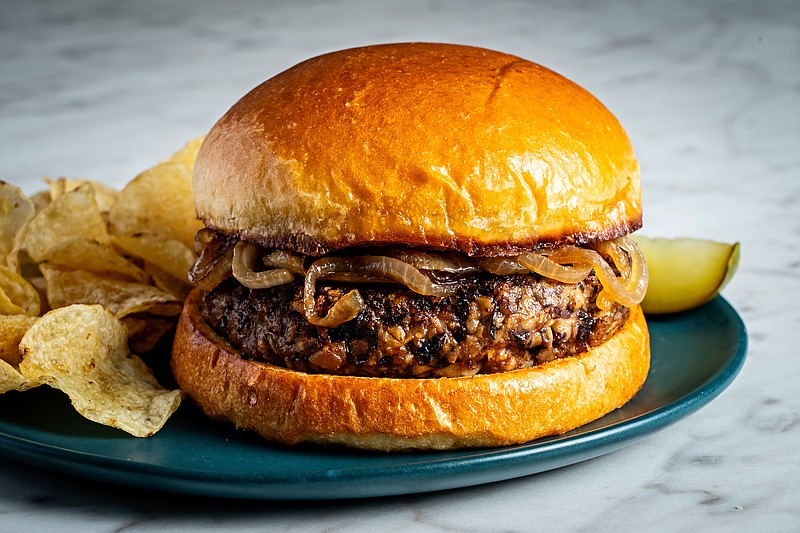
(710, 95)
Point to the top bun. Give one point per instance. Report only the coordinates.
(429, 145)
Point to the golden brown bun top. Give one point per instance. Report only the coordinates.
(430, 145)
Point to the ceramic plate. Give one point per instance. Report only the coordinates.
(695, 355)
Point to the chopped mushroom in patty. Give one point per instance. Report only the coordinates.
(490, 324)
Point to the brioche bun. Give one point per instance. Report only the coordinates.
(397, 414)
(426, 146)
(429, 145)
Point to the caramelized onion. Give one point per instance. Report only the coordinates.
(569, 264)
(630, 263)
(214, 260)
(204, 239)
(429, 261)
(604, 300)
(289, 261)
(535, 262)
(381, 268)
(581, 256)
(618, 257)
(502, 266)
(550, 269)
(400, 272)
(637, 284)
(363, 269)
(245, 256)
(355, 277)
(345, 309)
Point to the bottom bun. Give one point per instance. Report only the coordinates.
(395, 414)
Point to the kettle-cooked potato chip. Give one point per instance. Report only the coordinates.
(171, 256)
(122, 298)
(12, 379)
(75, 214)
(158, 201)
(16, 210)
(12, 328)
(83, 351)
(179, 288)
(105, 196)
(40, 199)
(17, 296)
(81, 245)
(97, 257)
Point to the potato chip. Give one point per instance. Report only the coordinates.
(75, 214)
(12, 379)
(17, 296)
(40, 199)
(180, 289)
(187, 154)
(12, 328)
(97, 257)
(67, 287)
(83, 351)
(40, 285)
(158, 200)
(16, 210)
(171, 256)
(105, 196)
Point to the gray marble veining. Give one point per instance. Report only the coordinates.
(710, 95)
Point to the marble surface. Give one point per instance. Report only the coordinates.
(710, 95)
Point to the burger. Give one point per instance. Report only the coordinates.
(414, 246)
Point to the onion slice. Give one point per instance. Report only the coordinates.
(283, 259)
(382, 268)
(502, 266)
(637, 284)
(548, 268)
(214, 260)
(538, 263)
(574, 255)
(630, 263)
(363, 269)
(569, 264)
(245, 256)
(448, 262)
(344, 310)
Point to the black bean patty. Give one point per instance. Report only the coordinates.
(491, 324)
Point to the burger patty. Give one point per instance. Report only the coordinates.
(491, 324)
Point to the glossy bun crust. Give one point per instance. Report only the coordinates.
(394, 414)
(430, 145)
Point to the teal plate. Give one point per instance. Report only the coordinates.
(695, 356)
